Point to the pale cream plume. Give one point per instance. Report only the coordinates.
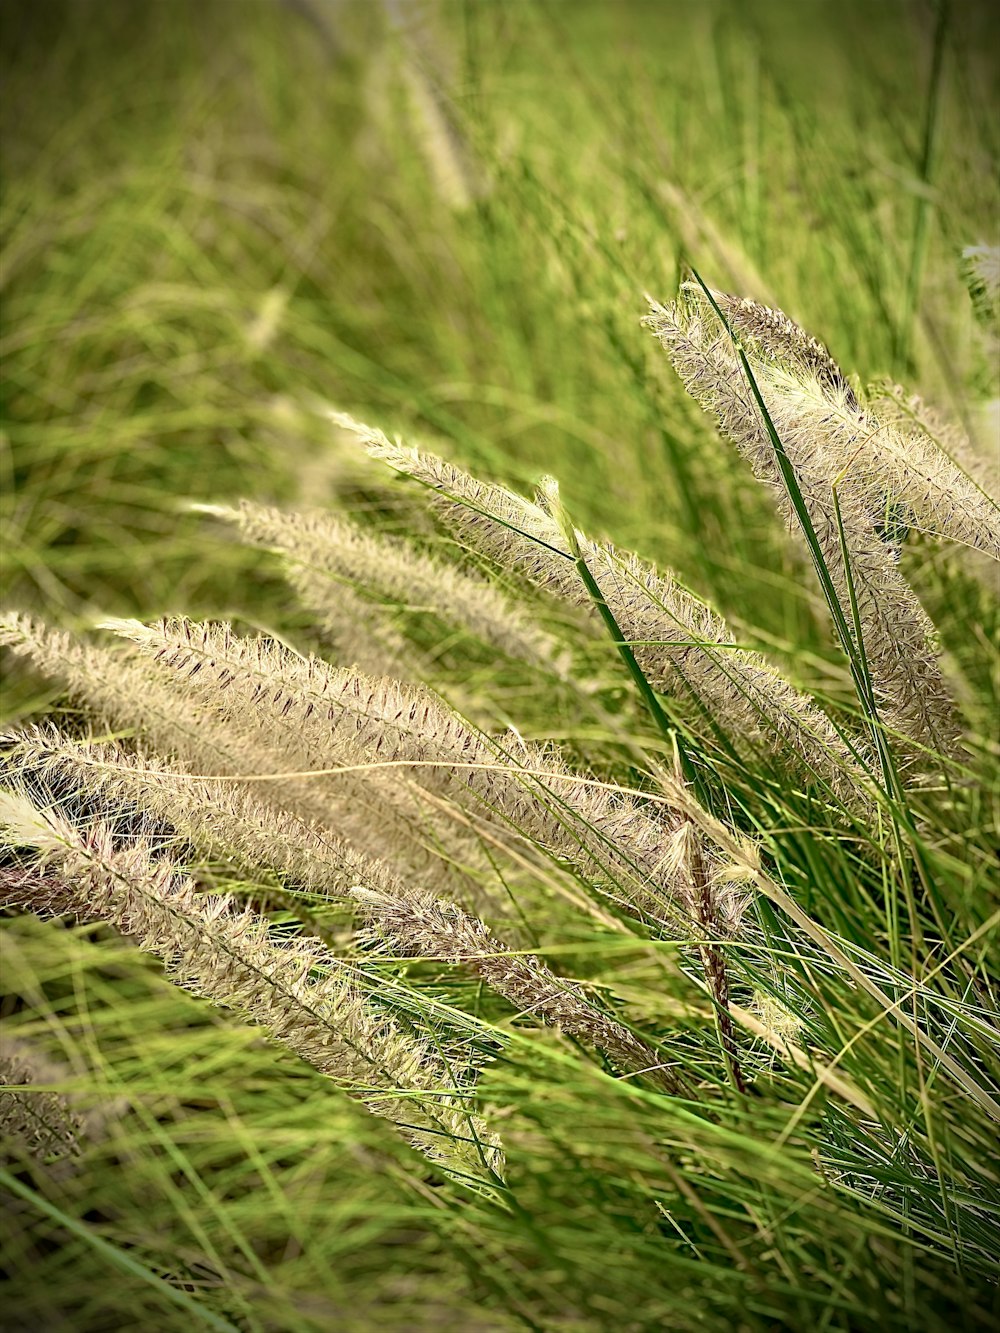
(681, 644)
(423, 926)
(212, 947)
(889, 469)
(897, 635)
(43, 1121)
(370, 809)
(336, 712)
(416, 922)
(323, 552)
(908, 414)
(225, 816)
(449, 157)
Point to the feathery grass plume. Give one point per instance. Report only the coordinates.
(125, 692)
(359, 631)
(681, 644)
(368, 808)
(211, 813)
(358, 628)
(491, 519)
(423, 926)
(774, 336)
(324, 856)
(446, 154)
(416, 922)
(212, 947)
(48, 1122)
(322, 551)
(115, 682)
(981, 270)
(337, 712)
(897, 636)
(684, 647)
(897, 479)
(908, 413)
(693, 861)
(700, 235)
(45, 1122)
(901, 475)
(121, 687)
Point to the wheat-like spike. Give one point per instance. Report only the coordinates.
(421, 925)
(418, 923)
(694, 862)
(337, 711)
(234, 818)
(222, 815)
(446, 150)
(681, 644)
(323, 550)
(908, 414)
(488, 517)
(890, 474)
(46, 1122)
(887, 468)
(898, 637)
(75, 1119)
(214, 948)
(124, 691)
(771, 335)
(367, 808)
(684, 646)
(359, 631)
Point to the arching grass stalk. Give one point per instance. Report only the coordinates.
(852, 644)
(713, 957)
(850, 634)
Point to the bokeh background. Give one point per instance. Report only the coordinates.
(442, 215)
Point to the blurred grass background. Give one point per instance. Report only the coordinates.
(443, 216)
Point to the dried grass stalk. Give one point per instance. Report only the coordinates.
(681, 644)
(220, 816)
(45, 1122)
(818, 429)
(214, 948)
(903, 475)
(126, 691)
(338, 713)
(323, 552)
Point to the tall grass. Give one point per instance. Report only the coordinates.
(625, 959)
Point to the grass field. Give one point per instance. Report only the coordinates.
(222, 219)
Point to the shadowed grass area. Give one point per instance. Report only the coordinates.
(220, 219)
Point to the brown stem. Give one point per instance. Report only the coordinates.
(715, 964)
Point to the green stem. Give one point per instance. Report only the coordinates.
(921, 224)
